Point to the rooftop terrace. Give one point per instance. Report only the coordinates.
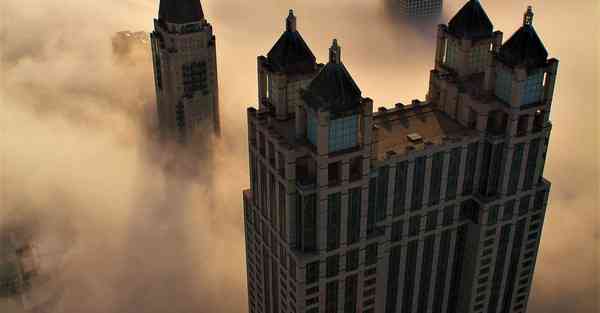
(414, 127)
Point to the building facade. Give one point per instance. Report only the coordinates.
(419, 7)
(435, 206)
(185, 72)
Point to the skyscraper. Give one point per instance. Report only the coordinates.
(185, 71)
(435, 206)
(419, 7)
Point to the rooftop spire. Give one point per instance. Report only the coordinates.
(290, 23)
(471, 22)
(528, 17)
(335, 53)
(180, 11)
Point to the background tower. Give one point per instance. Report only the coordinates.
(185, 71)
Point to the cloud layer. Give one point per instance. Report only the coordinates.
(78, 149)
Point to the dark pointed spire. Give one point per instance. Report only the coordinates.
(335, 52)
(290, 22)
(290, 53)
(524, 47)
(180, 11)
(471, 22)
(334, 88)
(528, 16)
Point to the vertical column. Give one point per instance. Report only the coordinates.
(450, 270)
(434, 268)
(522, 172)
(391, 188)
(490, 75)
(281, 106)
(440, 48)
(506, 168)
(550, 82)
(322, 212)
(323, 133)
(463, 57)
(300, 122)
(410, 173)
(462, 170)
(518, 84)
(427, 181)
(262, 82)
(418, 268)
(445, 167)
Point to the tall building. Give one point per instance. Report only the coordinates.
(419, 7)
(185, 71)
(435, 206)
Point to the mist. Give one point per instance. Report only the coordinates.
(79, 153)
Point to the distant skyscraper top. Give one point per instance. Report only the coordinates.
(419, 7)
(180, 11)
(185, 72)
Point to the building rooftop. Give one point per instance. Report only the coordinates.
(333, 89)
(524, 47)
(471, 22)
(414, 128)
(290, 53)
(180, 11)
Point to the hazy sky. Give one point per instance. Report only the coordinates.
(77, 146)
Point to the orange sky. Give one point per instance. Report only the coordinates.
(77, 149)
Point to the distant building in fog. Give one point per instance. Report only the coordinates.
(24, 274)
(126, 42)
(185, 72)
(419, 7)
(436, 206)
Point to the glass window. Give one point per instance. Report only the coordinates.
(352, 260)
(493, 215)
(515, 171)
(504, 85)
(396, 231)
(343, 133)
(333, 221)
(431, 220)
(312, 272)
(448, 215)
(533, 90)
(451, 51)
(311, 129)
(333, 265)
(400, 188)
(479, 56)
(414, 226)
(331, 296)
(371, 254)
(194, 78)
(354, 203)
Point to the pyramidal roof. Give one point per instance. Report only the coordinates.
(471, 22)
(290, 53)
(334, 88)
(180, 11)
(524, 47)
